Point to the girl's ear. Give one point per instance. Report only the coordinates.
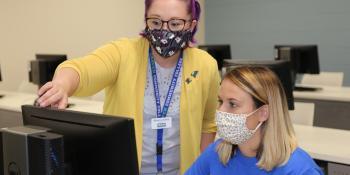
(264, 113)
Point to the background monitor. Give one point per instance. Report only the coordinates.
(1, 95)
(43, 67)
(93, 143)
(280, 67)
(219, 52)
(304, 58)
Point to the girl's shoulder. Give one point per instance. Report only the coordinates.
(302, 163)
(210, 151)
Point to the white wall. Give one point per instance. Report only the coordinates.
(253, 27)
(72, 27)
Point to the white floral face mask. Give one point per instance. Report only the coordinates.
(232, 127)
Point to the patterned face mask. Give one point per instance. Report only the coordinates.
(167, 43)
(232, 127)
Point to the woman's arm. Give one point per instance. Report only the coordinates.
(82, 76)
(209, 125)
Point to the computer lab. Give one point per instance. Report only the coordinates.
(174, 87)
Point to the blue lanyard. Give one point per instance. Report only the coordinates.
(160, 112)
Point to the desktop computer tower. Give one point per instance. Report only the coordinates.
(29, 151)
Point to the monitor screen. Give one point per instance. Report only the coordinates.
(93, 143)
(304, 58)
(280, 67)
(219, 52)
(43, 68)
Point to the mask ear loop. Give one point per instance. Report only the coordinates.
(250, 114)
(257, 127)
(260, 123)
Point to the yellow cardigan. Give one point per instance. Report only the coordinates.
(121, 68)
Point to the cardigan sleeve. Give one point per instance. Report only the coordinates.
(209, 125)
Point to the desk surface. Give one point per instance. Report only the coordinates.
(13, 101)
(327, 93)
(324, 143)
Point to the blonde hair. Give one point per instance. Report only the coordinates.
(278, 137)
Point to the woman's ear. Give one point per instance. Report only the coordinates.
(264, 113)
(193, 24)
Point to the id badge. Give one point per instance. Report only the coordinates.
(161, 123)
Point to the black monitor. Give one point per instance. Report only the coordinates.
(281, 68)
(303, 58)
(43, 67)
(0, 74)
(219, 52)
(1, 95)
(93, 143)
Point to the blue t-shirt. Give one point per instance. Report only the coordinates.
(208, 163)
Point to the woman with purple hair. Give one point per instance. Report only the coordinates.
(168, 87)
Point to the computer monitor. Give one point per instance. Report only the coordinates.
(43, 67)
(280, 67)
(219, 52)
(93, 143)
(303, 58)
(1, 95)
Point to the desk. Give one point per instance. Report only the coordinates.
(332, 106)
(331, 145)
(328, 93)
(10, 107)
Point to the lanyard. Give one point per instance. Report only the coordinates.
(162, 112)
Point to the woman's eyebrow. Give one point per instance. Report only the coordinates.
(233, 99)
(154, 15)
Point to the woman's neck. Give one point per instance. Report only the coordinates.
(165, 62)
(250, 148)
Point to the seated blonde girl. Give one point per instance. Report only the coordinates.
(257, 136)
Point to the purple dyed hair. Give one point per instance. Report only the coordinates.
(194, 9)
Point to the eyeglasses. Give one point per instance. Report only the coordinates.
(173, 24)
